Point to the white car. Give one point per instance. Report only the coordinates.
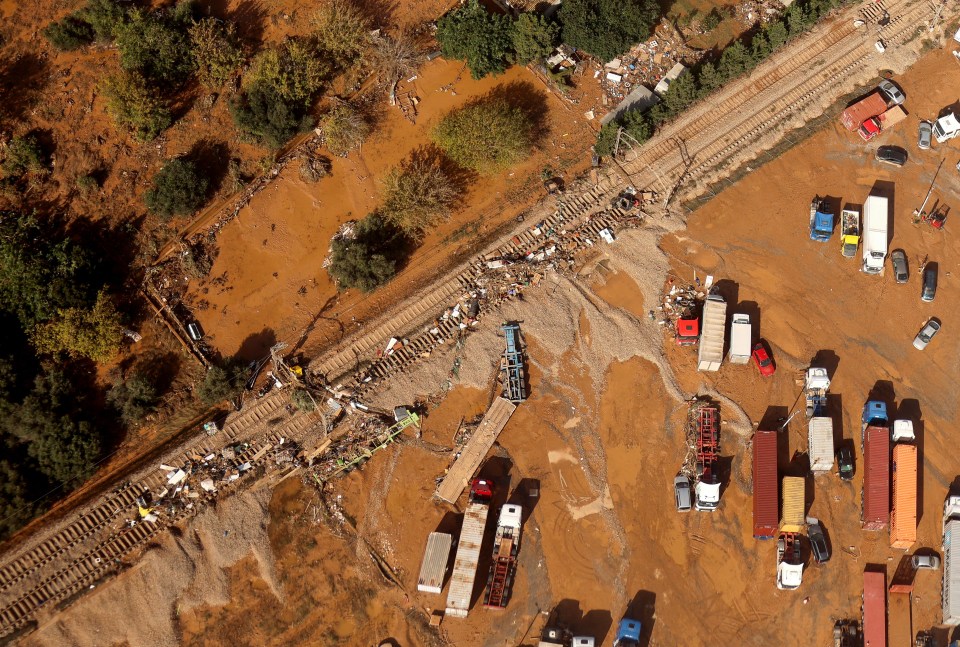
(926, 333)
(894, 95)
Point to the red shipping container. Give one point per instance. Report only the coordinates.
(876, 478)
(874, 609)
(766, 511)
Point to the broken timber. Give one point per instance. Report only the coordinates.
(475, 450)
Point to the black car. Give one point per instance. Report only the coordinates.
(929, 290)
(818, 541)
(892, 155)
(845, 461)
(898, 258)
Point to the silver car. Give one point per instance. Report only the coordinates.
(898, 258)
(926, 333)
(893, 94)
(681, 490)
(926, 561)
(925, 136)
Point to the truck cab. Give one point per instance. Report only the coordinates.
(789, 562)
(821, 221)
(628, 633)
(874, 414)
(946, 127)
(708, 491)
(903, 431)
(688, 330)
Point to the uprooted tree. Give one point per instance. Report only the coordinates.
(417, 194)
(344, 128)
(486, 136)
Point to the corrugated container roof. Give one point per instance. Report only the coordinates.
(820, 443)
(903, 519)
(874, 609)
(765, 505)
(468, 556)
(434, 565)
(876, 478)
(794, 502)
(951, 572)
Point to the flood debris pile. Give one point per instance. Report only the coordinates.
(678, 302)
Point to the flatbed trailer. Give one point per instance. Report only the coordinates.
(464, 574)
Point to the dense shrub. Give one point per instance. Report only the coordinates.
(94, 333)
(607, 28)
(368, 259)
(484, 40)
(302, 400)
(417, 194)
(292, 70)
(221, 382)
(486, 136)
(133, 398)
(24, 155)
(262, 114)
(216, 51)
(104, 16)
(135, 105)
(156, 45)
(70, 33)
(344, 129)
(178, 189)
(340, 31)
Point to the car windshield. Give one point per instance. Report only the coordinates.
(927, 333)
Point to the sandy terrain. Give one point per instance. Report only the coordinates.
(603, 433)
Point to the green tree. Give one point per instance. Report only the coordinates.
(734, 61)
(417, 194)
(178, 189)
(94, 333)
(16, 509)
(221, 382)
(104, 16)
(69, 34)
(637, 124)
(41, 272)
(681, 93)
(133, 398)
(607, 28)
(136, 106)
(606, 139)
(292, 70)
(24, 155)
(340, 31)
(156, 45)
(534, 37)
(262, 114)
(344, 129)
(367, 259)
(777, 34)
(482, 39)
(216, 51)
(708, 79)
(486, 136)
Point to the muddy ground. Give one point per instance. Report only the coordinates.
(603, 433)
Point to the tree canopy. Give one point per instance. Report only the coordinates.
(216, 50)
(263, 115)
(486, 136)
(417, 194)
(178, 189)
(93, 332)
(369, 258)
(484, 40)
(534, 37)
(156, 45)
(135, 105)
(607, 28)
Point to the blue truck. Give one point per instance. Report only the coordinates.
(628, 633)
(821, 220)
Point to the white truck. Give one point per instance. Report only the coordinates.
(713, 333)
(946, 127)
(951, 560)
(741, 334)
(875, 221)
(820, 444)
(468, 549)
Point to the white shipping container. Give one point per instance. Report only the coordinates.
(713, 333)
(741, 334)
(820, 443)
(468, 556)
(951, 572)
(434, 565)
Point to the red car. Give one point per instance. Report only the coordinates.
(763, 361)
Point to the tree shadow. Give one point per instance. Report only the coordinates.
(250, 17)
(211, 158)
(257, 346)
(827, 359)
(161, 369)
(883, 391)
(21, 79)
(527, 98)
(643, 608)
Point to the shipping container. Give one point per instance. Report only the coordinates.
(460, 593)
(870, 106)
(951, 571)
(741, 336)
(434, 566)
(820, 444)
(874, 609)
(794, 503)
(903, 517)
(765, 484)
(875, 513)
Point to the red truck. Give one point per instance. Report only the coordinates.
(876, 473)
(870, 106)
(766, 511)
(876, 125)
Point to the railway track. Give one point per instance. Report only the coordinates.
(95, 543)
(745, 112)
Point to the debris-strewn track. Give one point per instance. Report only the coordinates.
(96, 542)
(739, 116)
